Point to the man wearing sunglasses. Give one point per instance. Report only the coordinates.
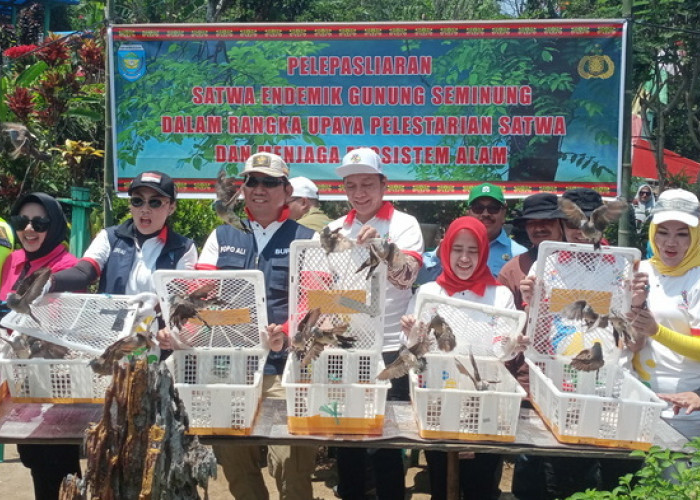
(487, 203)
(265, 246)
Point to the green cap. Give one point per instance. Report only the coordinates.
(487, 190)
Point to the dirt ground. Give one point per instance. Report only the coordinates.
(15, 479)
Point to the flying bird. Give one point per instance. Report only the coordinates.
(103, 365)
(581, 310)
(479, 383)
(411, 355)
(24, 142)
(444, 335)
(382, 250)
(326, 335)
(303, 333)
(589, 360)
(28, 290)
(184, 307)
(227, 201)
(333, 241)
(593, 227)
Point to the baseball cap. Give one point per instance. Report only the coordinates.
(266, 163)
(303, 188)
(158, 181)
(487, 190)
(360, 161)
(587, 199)
(677, 204)
(540, 206)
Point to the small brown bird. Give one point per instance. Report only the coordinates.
(581, 310)
(589, 359)
(187, 306)
(444, 335)
(326, 335)
(303, 333)
(593, 227)
(47, 350)
(19, 343)
(227, 201)
(24, 142)
(411, 355)
(28, 290)
(623, 331)
(103, 365)
(333, 241)
(479, 383)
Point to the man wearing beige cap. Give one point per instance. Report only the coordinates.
(373, 217)
(304, 206)
(265, 247)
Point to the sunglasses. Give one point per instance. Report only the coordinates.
(39, 224)
(491, 209)
(267, 182)
(137, 202)
(644, 193)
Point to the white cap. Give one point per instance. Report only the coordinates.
(303, 188)
(360, 161)
(679, 205)
(266, 163)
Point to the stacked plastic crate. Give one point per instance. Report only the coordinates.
(338, 393)
(449, 404)
(86, 324)
(578, 290)
(218, 367)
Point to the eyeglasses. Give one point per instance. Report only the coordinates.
(154, 203)
(267, 182)
(491, 209)
(39, 224)
(644, 193)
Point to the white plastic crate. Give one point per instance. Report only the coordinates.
(236, 319)
(609, 407)
(447, 406)
(53, 381)
(79, 321)
(445, 402)
(221, 388)
(336, 394)
(567, 272)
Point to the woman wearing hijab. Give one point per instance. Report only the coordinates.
(643, 203)
(666, 304)
(41, 228)
(464, 255)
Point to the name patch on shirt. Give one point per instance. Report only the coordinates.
(119, 250)
(232, 249)
(281, 251)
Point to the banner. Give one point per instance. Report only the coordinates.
(529, 105)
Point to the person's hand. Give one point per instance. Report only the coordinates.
(640, 289)
(688, 400)
(407, 322)
(527, 288)
(165, 340)
(276, 338)
(366, 233)
(643, 321)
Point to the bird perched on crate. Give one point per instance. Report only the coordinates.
(184, 307)
(589, 360)
(411, 355)
(227, 198)
(24, 142)
(334, 241)
(48, 350)
(19, 343)
(479, 383)
(593, 227)
(28, 290)
(443, 333)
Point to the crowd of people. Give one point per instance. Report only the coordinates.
(475, 261)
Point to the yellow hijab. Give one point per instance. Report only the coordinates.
(690, 260)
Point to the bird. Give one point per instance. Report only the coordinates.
(183, 307)
(581, 310)
(24, 142)
(48, 350)
(589, 360)
(326, 335)
(479, 383)
(594, 226)
(103, 365)
(382, 250)
(227, 197)
(334, 241)
(19, 343)
(623, 331)
(411, 355)
(444, 335)
(303, 333)
(28, 290)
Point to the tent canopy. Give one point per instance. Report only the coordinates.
(644, 162)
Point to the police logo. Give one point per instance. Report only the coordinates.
(261, 161)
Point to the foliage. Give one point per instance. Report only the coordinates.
(665, 474)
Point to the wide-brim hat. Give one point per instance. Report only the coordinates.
(587, 199)
(540, 206)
